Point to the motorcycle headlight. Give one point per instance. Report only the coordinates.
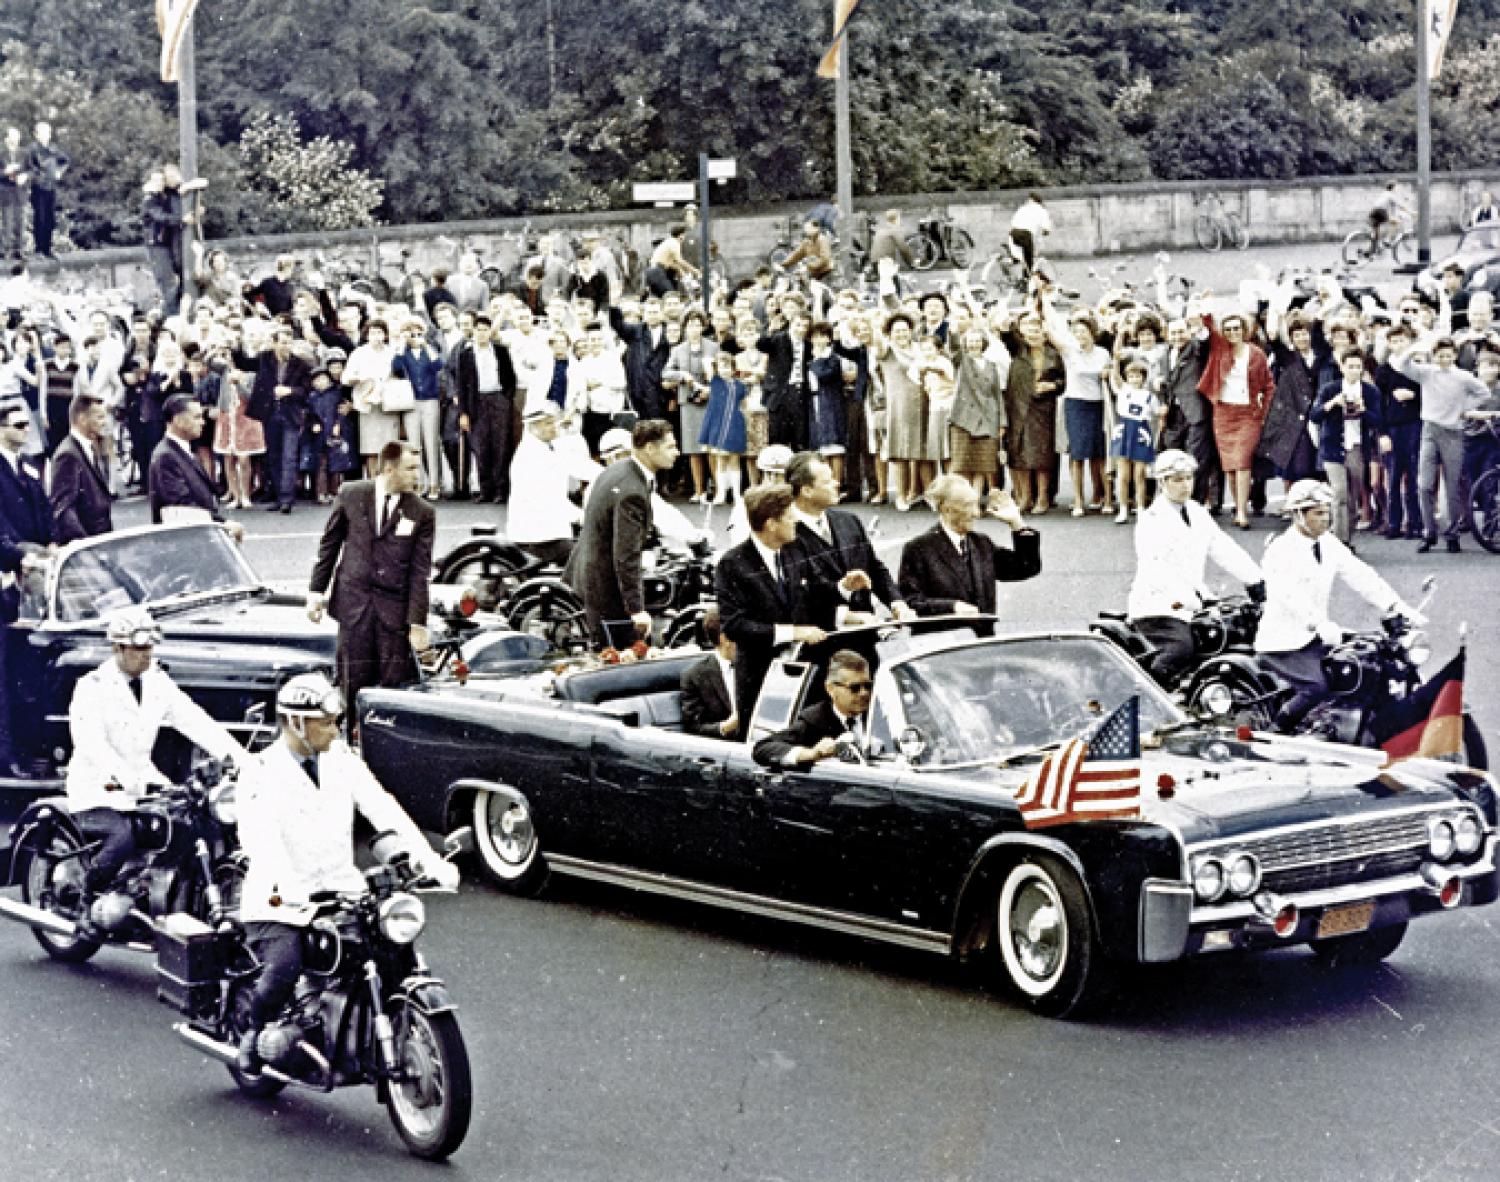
(402, 918)
(1243, 874)
(1441, 839)
(1208, 880)
(1417, 647)
(1468, 834)
(222, 804)
(1218, 699)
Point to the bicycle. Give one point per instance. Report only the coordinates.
(1360, 247)
(1215, 225)
(937, 237)
(1484, 502)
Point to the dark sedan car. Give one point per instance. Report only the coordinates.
(1478, 253)
(1242, 841)
(229, 641)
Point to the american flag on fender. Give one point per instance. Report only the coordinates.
(1096, 776)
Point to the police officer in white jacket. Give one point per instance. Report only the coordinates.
(1301, 566)
(296, 803)
(542, 517)
(1174, 540)
(115, 716)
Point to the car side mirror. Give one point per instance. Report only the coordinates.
(912, 744)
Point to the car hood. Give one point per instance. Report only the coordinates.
(252, 621)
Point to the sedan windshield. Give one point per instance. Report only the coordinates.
(987, 701)
(151, 568)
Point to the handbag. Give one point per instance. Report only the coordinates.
(397, 396)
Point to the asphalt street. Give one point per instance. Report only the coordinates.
(632, 1039)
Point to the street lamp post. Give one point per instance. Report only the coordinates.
(187, 138)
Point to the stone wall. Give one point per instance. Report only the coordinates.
(1089, 220)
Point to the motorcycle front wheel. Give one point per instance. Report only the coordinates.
(53, 881)
(431, 1103)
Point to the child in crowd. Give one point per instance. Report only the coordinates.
(1132, 446)
(723, 430)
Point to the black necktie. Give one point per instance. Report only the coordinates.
(135, 688)
(389, 513)
(781, 587)
(1185, 520)
(310, 766)
(1318, 552)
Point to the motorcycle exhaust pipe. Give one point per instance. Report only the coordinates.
(223, 1052)
(37, 918)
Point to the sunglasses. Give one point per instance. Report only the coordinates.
(855, 687)
(17, 425)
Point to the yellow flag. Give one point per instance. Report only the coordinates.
(172, 17)
(842, 11)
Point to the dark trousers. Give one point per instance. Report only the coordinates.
(119, 845)
(494, 442)
(1173, 641)
(278, 947)
(57, 421)
(553, 553)
(370, 653)
(1198, 441)
(1302, 672)
(1481, 452)
(457, 454)
(163, 264)
(11, 219)
(7, 751)
(43, 217)
(283, 442)
(1403, 502)
(856, 449)
(144, 438)
(1024, 240)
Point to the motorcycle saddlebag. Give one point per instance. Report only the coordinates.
(187, 963)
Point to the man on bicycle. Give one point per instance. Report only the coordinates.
(1387, 211)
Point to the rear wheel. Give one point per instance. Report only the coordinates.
(559, 623)
(505, 837)
(1484, 510)
(961, 248)
(1363, 948)
(1206, 232)
(1404, 250)
(1239, 236)
(924, 251)
(486, 571)
(54, 882)
(431, 1103)
(1358, 248)
(1048, 947)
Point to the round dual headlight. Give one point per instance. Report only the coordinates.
(1217, 698)
(1208, 880)
(1243, 874)
(221, 803)
(1441, 838)
(1468, 834)
(402, 918)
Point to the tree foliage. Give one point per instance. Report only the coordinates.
(473, 108)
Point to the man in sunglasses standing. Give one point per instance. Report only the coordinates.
(819, 730)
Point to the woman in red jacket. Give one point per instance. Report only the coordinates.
(1237, 380)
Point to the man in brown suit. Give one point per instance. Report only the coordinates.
(379, 536)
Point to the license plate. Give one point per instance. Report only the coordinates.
(1343, 921)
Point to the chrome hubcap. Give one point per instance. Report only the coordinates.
(1037, 931)
(512, 833)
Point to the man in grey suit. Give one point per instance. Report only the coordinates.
(605, 567)
(379, 536)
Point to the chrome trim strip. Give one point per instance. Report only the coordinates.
(1353, 892)
(1328, 823)
(838, 921)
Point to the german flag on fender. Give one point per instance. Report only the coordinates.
(1430, 723)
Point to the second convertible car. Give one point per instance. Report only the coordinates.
(1242, 842)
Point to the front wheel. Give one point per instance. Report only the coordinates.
(1239, 235)
(1484, 510)
(1404, 250)
(1359, 248)
(961, 248)
(1363, 948)
(1048, 946)
(430, 1104)
(924, 251)
(1206, 232)
(505, 836)
(54, 881)
(553, 613)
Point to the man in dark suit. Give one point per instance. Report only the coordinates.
(835, 551)
(486, 408)
(379, 535)
(605, 566)
(23, 500)
(952, 569)
(81, 500)
(178, 488)
(763, 600)
(1190, 416)
(785, 387)
(708, 687)
(818, 730)
(646, 353)
(279, 401)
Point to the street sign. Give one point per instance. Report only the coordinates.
(649, 191)
(722, 170)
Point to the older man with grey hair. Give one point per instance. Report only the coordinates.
(951, 569)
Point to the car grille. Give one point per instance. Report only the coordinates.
(1345, 852)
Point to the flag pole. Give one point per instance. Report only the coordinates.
(843, 155)
(187, 140)
(1424, 139)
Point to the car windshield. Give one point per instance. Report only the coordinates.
(984, 702)
(150, 567)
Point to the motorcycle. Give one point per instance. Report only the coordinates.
(187, 860)
(366, 1010)
(489, 567)
(1223, 631)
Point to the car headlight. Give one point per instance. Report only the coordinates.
(1208, 880)
(222, 804)
(1243, 874)
(1417, 646)
(1468, 834)
(1441, 839)
(402, 918)
(1218, 698)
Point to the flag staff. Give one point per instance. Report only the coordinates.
(187, 138)
(843, 154)
(1424, 139)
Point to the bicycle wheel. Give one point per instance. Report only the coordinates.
(961, 248)
(1484, 510)
(924, 251)
(1358, 248)
(1404, 250)
(1239, 236)
(1206, 232)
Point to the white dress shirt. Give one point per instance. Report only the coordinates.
(1171, 560)
(540, 477)
(1299, 586)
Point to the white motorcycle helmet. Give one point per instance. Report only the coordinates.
(1175, 463)
(133, 627)
(308, 695)
(1308, 494)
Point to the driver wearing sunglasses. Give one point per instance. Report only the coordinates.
(819, 730)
